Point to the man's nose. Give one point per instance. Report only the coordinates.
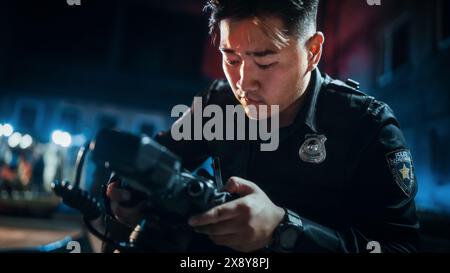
(248, 81)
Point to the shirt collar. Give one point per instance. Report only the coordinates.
(308, 113)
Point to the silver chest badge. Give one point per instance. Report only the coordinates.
(313, 149)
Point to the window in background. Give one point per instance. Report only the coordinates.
(27, 118)
(396, 48)
(443, 23)
(70, 120)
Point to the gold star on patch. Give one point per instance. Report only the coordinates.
(405, 172)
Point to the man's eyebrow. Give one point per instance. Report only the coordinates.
(263, 53)
(227, 50)
(257, 54)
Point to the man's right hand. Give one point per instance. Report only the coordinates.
(129, 216)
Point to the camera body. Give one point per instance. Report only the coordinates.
(150, 168)
(170, 195)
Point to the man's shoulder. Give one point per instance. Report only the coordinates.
(343, 104)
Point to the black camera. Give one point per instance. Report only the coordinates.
(148, 167)
(170, 194)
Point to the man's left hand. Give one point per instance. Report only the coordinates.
(245, 224)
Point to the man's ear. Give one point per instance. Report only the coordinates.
(314, 47)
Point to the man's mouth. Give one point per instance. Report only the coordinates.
(251, 100)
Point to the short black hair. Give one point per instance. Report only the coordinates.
(299, 16)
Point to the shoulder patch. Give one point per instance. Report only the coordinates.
(401, 167)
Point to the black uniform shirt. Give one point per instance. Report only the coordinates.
(343, 166)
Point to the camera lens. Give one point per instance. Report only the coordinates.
(195, 188)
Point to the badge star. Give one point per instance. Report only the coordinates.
(405, 172)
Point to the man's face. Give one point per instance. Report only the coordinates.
(262, 65)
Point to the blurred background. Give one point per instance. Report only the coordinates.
(67, 71)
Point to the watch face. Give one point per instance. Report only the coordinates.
(288, 237)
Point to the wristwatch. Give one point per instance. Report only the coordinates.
(288, 233)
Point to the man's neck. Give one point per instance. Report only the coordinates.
(288, 115)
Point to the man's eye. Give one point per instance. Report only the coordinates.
(266, 66)
(232, 62)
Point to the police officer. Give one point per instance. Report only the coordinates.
(342, 178)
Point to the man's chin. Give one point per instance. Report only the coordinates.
(254, 113)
